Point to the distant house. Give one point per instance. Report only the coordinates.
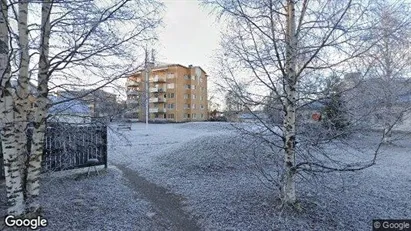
(101, 104)
(308, 112)
(377, 101)
(72, 111)
(254, 116)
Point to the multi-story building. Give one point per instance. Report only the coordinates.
(176, 93)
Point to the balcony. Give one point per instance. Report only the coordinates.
(131, 101)
(156, 89)
(153, 100)
(153, 89)
(132, 83)
(157, 100)
(159, 79)
(158, 110)
(132, 92)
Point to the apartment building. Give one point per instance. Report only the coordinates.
(176, 93)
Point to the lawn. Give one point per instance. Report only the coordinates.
(212, 168)
(206, 176)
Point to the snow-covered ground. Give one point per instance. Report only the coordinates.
(72, 201)
(203, 176)
(211, 167)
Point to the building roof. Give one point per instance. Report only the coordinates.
(73, 107)
(160, 65)
(87, 95)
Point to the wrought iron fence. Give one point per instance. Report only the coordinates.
(70, 146)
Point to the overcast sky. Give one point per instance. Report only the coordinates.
(190, 34)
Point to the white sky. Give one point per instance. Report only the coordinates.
(190, 35)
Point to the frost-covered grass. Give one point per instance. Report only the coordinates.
(72, 201)
(213, 169)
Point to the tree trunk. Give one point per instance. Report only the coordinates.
(288, 187)
(12, 166)
(14, 190)
(34, 168)
(387, 132)
(22, 102)
(388, 70)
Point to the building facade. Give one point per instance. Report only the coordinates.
(175, 93)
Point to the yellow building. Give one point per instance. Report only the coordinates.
(176, 93)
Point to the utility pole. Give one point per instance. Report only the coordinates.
(147, 70)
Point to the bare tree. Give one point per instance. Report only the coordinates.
(8, 135)
(287, 49)
(70, 43)
(390, 59)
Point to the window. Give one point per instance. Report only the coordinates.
(186, 116)
(186, 77)
(187, 86)
(202, 107)
(170, 116)
(201, 98)
(201, 79)
(186, 106)
(170, 95)
(194, 106)
(194, 115)
(170, 106)
(170, 86)
(193, 87)
(186, 96)
(170, 76)
(194, 96)
(193, 77)
(201, 116)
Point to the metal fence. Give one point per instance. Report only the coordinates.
(71, 146)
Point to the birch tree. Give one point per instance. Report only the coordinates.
(12, 164)
(286, 48)
(391, 61)
(71, 40)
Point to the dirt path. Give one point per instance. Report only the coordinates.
(166, 204)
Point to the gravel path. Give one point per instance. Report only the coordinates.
(167, 205)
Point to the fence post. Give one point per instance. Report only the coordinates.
(2, 175)
(104, 137)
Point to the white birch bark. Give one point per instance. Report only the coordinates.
(15, 198)
(22, 104)
(34, 168)
(288, 187)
